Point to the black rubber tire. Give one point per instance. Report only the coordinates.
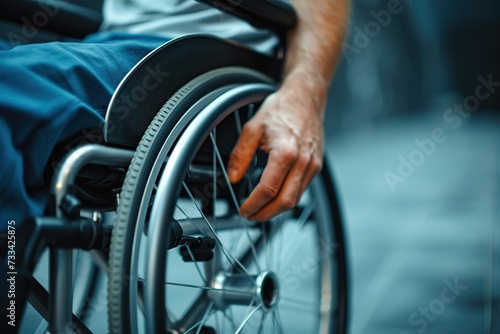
(138, 174)
(342, 288)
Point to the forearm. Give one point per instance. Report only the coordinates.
(314, 46)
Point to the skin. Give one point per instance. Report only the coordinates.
(289, 124)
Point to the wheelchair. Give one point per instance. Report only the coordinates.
(178, 257)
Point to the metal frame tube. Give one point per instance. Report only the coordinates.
(61, 269)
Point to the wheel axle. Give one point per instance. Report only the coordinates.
(262, 289)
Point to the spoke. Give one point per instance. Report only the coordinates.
(226, 178)
(194, 313)
(262, 321)
(235, 201)
(249, 308)
(170, 318)
(278, 228)
(202, 322)
(230, 317)
(223, 323)
(237, 120)
(278, 327)
(193, 327)
(303, 218)
(248, 255)
(266, 245)
(272, 244)
(194, 286)
(235, 241)
(246, 319)
(274, 323)
(185, 285)
(277, 248)
(247, 176)
(217, 322)
(196, 264)
(251, 110)
(278, 318)
(230, 258)
(191, 221)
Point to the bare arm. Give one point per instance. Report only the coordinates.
(289, 125)
(315, 44)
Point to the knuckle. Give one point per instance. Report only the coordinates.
(237, 153)
(304, 160)
(289, 203)
(248, 128)
(289, 154)
(317, 165)
(269, 191)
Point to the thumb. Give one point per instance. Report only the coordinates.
(243, 152)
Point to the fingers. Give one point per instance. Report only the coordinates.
(243, 152)
(280, 162)
(314, 168)
(306, 167)
(290, 192)
(281, 185)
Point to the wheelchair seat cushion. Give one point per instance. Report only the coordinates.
(51, 92)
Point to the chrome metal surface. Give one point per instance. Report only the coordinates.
(193, 226)
(261, 290)
(169, 189)
(61, 260)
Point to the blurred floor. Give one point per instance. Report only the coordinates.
(438, 228)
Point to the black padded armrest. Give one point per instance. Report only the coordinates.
(275, 15)
(57, 16)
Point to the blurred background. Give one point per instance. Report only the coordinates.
(413, 135)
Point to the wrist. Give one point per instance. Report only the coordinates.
(307, 91)
(306, 81)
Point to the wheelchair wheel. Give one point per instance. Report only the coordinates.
(226, 274)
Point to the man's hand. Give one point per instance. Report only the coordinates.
(289, 127)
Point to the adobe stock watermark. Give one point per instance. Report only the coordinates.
(453, 118)
(429, 313)
(293, 277)
(152, 79)
(362, 37)
(32, 25)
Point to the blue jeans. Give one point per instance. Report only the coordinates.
(49, 92)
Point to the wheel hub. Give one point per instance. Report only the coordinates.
(262, 289)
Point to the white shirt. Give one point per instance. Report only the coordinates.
(173, 18)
